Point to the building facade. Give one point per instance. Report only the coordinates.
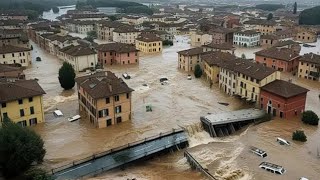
(188, 59)
(283, 99)
(15, 55)
(149, 43)
(246, 38)
(198, 39)
(104, 99)
(124, 34)
(117, 54)
(21, 102)
(309, 67)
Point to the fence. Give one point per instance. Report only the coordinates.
(95, 156)
(195, 164)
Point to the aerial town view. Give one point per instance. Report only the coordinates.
(159, 90)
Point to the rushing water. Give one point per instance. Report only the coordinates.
(178, 104)
(52, 16)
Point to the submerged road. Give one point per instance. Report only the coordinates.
(115, 159)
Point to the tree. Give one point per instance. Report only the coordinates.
(270, 16)
(89, 38)
(197, 71)
(309, 117)
(167, 43)
(66, 76)
(243, 56)
(112, 18)
(37, 174)
(55, 9)
(295, 6)
(92, 34)
(270, 7)
(299, 136)
(310, 16)
(19, 148)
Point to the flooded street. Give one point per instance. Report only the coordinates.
(177, 104)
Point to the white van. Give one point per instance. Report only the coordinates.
(258, 151)
(283, 142)
(276, 169)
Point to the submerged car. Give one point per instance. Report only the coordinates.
(276, 169)
(258, 151)
(283, 141)
(189, 77)
(126, 76)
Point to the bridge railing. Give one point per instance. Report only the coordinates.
(99, 171)
(104, 153)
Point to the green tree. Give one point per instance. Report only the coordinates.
(19, 148)
(55, 9)
(270, 16)
(295, 6)
(299, 136)
(310, 16)
(197, 71)
(66, 76)
(37, 174)
(309, 117)
(92, 34)
(270, 7)
(243, 56)
(89, 38)
(167, 43)
(112, 18)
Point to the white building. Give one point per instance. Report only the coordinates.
(246, 38)
(125, 34)
(228, 81)
(15, 55)
(80, 57)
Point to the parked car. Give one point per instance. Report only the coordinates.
(276, 169)
(283, 141)
(258, 151)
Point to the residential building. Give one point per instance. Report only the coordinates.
(198, 39)
(14, 37)
(189, 58)
(149, 43)
(81, 27)
(117, 54)
(125, 34)
(80, 57)
(283, 99)
(133, 20)
(267, 41)
(224, 47)
(251, 77)
(246, 38)
(170, 28)
(12, 24)
(11, 72)
(105, 29)
(306, 36)
(13, 15)
(104, 98)
(261, 25)
(21, 101)
(295, 46)
(55, 42)
(309, 67)
(157, 18)
(221, 35)
(15, 55)
(212, 61)
(281, 59)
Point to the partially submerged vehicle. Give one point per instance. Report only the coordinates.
(164, 81)
(74, 118)
(126, 76)
(283, 141)
(276, 169)
(57, 113)
(189, 77)
(258, 151)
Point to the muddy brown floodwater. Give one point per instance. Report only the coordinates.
(178, 104)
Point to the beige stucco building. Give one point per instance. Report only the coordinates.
(15, 55)
(104, 99)
(309, 67)
(188, 59)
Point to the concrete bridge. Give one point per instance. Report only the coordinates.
(223, 124)
(116, 157)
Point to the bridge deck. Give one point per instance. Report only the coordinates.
(118, 158)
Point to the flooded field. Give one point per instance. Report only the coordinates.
(178, 104)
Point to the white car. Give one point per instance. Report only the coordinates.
(303, 178)
(189, 77)
(283, 141)
(74, 118)
(273, 168)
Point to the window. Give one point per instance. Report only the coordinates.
(119, 119)
(107, 100)
(30, 99)
(21, 112)
(33, 121)
(118, 109)
(109, 122)
(5, 115)
(20, 101)
(32, 110)
(22, 123)
(4, 56)
(128, 95)
(128, 54)
(278, 105)
(253, 89)
(4, 105)
(12, 54)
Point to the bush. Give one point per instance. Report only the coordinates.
(66, 76)
(37, 174)
(19, 148)
(167, 43)
(38, 59)
(309, 117)
(299, 136)
(197, 71)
